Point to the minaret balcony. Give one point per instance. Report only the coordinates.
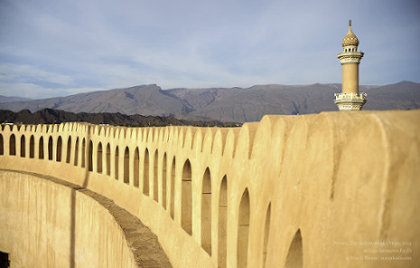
(350, 101)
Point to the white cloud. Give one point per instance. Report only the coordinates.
(61, 47)
(16, 72)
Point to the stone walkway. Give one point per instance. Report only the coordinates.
(143, 243)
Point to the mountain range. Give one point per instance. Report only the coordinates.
(222, 104)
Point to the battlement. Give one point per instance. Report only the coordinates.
(288, 191)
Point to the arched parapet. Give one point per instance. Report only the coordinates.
(97, 130)
(399, 170)
(119, 133)
(208, 141)
(149, 135)
(246, 140)
(156, 135)
(299, 172)
(218, 142)
(166, 135)
(197, 140)
(231, 143)
(188, 138)
(112, 132)
(180, 137)
(263, 138)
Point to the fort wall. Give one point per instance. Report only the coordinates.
(288, 191)
(46, 224)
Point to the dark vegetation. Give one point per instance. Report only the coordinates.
(50, 116)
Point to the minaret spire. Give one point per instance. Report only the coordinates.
(349, 98)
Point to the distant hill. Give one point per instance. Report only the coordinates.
(49, 116)
(224, 104)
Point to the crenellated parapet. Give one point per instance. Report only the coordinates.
(288, 191)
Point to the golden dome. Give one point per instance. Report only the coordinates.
(350, 39)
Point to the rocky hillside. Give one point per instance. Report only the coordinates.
(224, 104)
(49, 116)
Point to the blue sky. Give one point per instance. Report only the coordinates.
(54, 48)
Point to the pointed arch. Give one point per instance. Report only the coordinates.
(22, 146)
(295, 255)
(12, 145)
(90, 156)
(58, 149)
(50, 148)
(222, 224)
(83, 153)
(126, 165)
(146, 173)
(99, 158)
(164, 182)
(136, 167)
(108, 159)
(206, 212)
(266, 234)
(116, 163)
(1, 145)
(76, 152)
(186, 198)
(155, 176)
(68, 155)
(32, 146)
(243, 230)
(41, 148)
(172, 182)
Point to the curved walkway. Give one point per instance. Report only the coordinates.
(143, 243)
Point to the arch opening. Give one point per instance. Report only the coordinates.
(136, 167)
(243, 230)
(266, 234)
(1, 145)
(99, 159)
(41, 148)
(155, 176)
(108, 159)
(126, 165)
(58, 150)
(83, 153)
(68, 155)
(22, 146)
(12, 145)
(206, 212)
(146, 173)
(90, 156)
(116, 163)
(295, 255)
(32, 147)
(164, 181)
(50, 148)
(222, 224)
(186, 198)
(172, 182)
(76, 152)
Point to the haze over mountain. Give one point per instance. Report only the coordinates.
(224, 104)
(4, 99)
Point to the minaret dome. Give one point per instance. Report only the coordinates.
(350, 39)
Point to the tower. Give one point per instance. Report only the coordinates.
(349, 99)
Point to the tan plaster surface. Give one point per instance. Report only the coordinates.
(344, 186)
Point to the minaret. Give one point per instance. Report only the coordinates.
(349, 99)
